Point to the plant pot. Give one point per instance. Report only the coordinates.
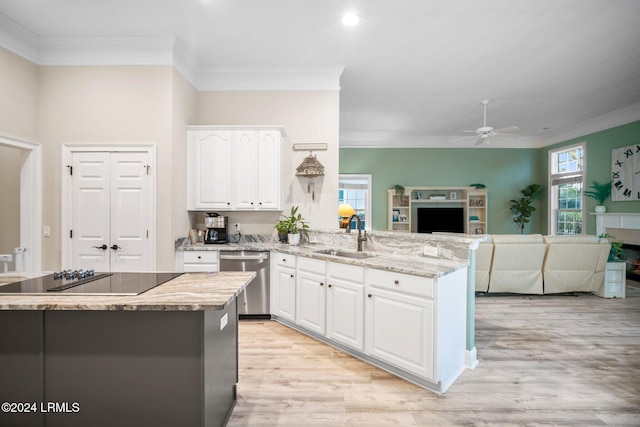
(294, 239)
(282, 237)
(601, 209)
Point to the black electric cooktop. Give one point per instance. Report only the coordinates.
(93, 284)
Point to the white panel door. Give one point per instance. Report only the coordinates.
(285, 293)
(269, 169)
(399, 330)
(212, 169)
(311, 302)
(130, 245)
(111, 212)
(246, 160)
(90, 207)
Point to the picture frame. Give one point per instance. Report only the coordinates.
(395, 215)
(453, 195)
(403, 218)
(479, 231)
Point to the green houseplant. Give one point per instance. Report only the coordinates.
(616, 250)
(523, 208)
(599, 192)
(291, 226)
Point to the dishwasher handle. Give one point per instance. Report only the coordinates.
(260, 257)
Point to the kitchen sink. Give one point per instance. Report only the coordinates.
(333, 252)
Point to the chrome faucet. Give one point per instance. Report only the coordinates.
(359, 225)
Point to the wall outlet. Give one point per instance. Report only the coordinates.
(430, 251)
(46, 231)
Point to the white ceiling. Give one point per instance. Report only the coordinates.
(413, 72)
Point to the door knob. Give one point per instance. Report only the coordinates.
(115, 247)
(103, 247)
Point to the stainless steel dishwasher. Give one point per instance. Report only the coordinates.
(253, 302)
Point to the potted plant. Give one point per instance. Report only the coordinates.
(616, 251)
(599, 192)
(292, 225)
(523, 208)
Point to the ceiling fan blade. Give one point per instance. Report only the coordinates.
(507, 129)
(507, 135)
(480, 141)
(464, 137)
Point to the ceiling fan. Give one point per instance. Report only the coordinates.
(485, 132)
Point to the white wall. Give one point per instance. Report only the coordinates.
(105, 105)
(18, 119)
(307, 116)
(154, 104)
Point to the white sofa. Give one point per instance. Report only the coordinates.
(574, 263)
(536, 264)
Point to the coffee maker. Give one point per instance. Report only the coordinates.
(216, 228)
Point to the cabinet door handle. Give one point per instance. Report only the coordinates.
(199, 257)
(292, 276)
(396, 282)
(321, 283)
(369, 295)
(329, 285)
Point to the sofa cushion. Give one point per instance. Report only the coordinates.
(517, 238)
(571, 265)
(571, 239)
(517, 267)
(484, 255)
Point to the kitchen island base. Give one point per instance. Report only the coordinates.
(106, 368)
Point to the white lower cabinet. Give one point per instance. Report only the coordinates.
(200, 261)
(615, 281)
(399, 330)
(414, 326)
(283, 287)
(311, 294)
(345, 304)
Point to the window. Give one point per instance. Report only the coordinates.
(356, 191)
(566, 181)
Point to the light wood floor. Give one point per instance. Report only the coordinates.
(544, 360)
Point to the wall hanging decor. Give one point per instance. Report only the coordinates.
(310, 168)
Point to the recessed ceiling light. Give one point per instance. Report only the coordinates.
(350, 19)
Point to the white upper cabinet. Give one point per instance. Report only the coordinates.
(234, 168)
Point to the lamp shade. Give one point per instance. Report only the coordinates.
(345, 210)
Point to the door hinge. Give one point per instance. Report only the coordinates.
(147, 234)
(71, 234)
(148, 167)
(70, 169)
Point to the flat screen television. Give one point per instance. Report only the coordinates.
(440, 219)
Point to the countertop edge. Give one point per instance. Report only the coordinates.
(187, 292)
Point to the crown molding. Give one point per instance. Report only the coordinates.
(106, 50)
(161, 50)
(399, 140)
(270, 78)
(17, 39)
(606, 121)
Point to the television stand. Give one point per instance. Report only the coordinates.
(403, 208)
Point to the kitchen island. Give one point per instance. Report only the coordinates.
(405, 303)
(166, 357)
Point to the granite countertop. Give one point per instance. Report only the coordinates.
(401, 263)
(188, 292)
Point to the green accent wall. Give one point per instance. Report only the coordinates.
(598, 165)
(504, 171)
